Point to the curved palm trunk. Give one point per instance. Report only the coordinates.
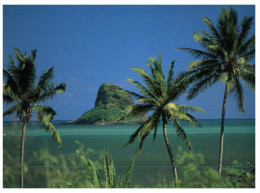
(22, 152)
(222, 131)
(169, 151)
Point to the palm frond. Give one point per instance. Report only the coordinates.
(51, 91)
(202, 85)
(49, 127)
(136, 110)
(145, 91)
(189, 108)
(61, 88)
(202, 64)
(228, 28)
(45, 79)
(213, 30)
(212, 47)
(44, 115)
(246, 24)
(179, 86)
(157, 117)
(200, 54)
(181, 133)
(8, 94)
(181, 115)
(135, 134)
(250, 67)
(148, 80)
(193, 120)
(170, 75)
(12, 109)
(33, 54)
(44, 110)
(24, 73)
(10, 82)
(148, 126)
(19, 56)
(247, 48)
(238, 93)
(148, 101)
(248, 77)
(132, 94)
(157, 66)
(144, 129)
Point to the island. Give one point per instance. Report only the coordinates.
(110, 102)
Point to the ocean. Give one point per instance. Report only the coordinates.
(151, 166)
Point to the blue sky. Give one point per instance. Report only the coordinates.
(91, 45)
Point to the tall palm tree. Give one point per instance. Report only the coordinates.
(227, 51)
(22, 90)
(157, 96)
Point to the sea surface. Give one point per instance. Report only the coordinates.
(152, 165)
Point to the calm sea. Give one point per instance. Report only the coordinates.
(153, 163)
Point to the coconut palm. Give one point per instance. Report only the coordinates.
(22, 90)
(227, 51)
(156, 97)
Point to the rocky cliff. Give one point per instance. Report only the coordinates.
(110, 103)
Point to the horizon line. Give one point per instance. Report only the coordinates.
(197, 119)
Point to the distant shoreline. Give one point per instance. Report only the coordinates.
(197, 119)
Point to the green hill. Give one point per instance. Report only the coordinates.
(110, 103)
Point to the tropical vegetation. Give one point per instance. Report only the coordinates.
(80, 169)
(157, 96)
(110, 103)
(22, 90)
(112, 180)
(226, 55)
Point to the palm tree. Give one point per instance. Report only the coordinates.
(157, 96)
(225, 57)
(20, 87)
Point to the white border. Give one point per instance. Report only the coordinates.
(140, 2)
(129, 2)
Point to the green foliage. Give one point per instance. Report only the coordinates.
(22, 89)
(11, 172)
(156, 96)
(112, 180)
(94, 173)
(225, 57)
(77, 170)
(241, 178)
(227, 51)
(194, 175)
(110, 102)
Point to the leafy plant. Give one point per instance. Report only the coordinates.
(112, 180)
(241, 178)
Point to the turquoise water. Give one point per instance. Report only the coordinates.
(153, 163)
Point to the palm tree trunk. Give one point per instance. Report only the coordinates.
(222, 131)
(169, 150)
(22, 152)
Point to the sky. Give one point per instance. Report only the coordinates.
(90, 45)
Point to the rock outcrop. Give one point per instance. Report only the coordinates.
(110, 103)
